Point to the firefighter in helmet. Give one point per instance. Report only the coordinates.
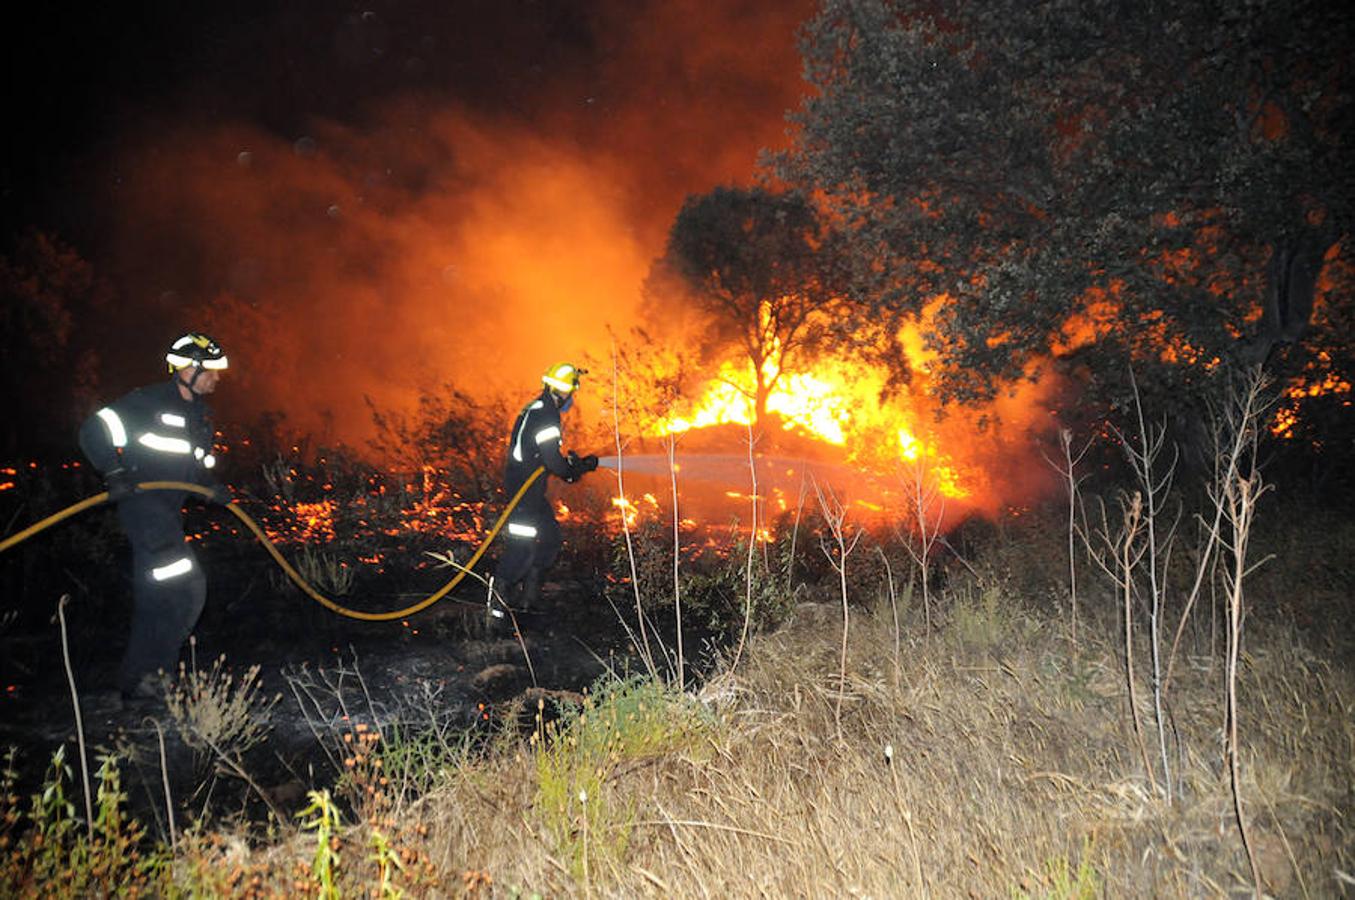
(532, 534)
(161, 432)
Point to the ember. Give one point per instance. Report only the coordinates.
(1286, 417)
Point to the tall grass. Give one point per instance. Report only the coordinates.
(580, 757)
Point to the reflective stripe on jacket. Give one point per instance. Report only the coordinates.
(535, 441)
(154, 433)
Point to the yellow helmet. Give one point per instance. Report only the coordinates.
(563, 378)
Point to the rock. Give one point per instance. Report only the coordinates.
(500, 680)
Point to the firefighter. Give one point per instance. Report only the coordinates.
(532, 534)
(161, 432)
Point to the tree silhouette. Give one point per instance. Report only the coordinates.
(1156, 183)
(760, 268)
(47, 366)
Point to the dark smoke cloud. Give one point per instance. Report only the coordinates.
(468, 231)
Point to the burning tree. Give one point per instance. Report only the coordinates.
(759, 267)
(1105, 181)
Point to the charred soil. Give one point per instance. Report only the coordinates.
(451, 668)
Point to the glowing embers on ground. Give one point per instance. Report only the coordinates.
(1320, 384)
(10, 475)
(838, 403)
(431, 509)
(301, 522)
(446, 515)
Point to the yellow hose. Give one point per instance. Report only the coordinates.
(273, 550)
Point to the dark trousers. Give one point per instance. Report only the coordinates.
(169, 588)
(525, 557)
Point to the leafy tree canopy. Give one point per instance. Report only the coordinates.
(1111, 182)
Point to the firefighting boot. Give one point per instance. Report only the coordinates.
(529, 595)
(147, 690)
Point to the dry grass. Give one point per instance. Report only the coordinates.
(990, 758)
(977, 769)
(216, 711)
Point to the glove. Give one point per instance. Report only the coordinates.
(221, 494)
(580, 466)
(120, 484)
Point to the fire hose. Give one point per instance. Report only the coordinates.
(273, 551)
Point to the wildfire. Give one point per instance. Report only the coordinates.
(630, 512)
(837, 402)
(428, 508)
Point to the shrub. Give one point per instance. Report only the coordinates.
(45, 852)
(214, 712)
(714, 582)
(620, 722)
(985, 616)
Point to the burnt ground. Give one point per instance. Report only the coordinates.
(437, 669)
(442, 668)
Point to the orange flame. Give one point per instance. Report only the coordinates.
(837, 402)
(1321, 384)
(847, 419)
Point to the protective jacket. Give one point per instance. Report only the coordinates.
(535, 442)
(533, 535)
(154, 434)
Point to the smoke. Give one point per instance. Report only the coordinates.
(463, 203)
(465, 233)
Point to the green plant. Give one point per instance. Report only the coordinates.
(115, 851)
(1061, 882)
(985, 616)
(416, 761)
(620, 722)
(325, 822)
(713, 581)
(716, 586)
(55, 830)
(47, 852)
(387, 862)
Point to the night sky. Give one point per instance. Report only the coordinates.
(478, 186)
(80, 77)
